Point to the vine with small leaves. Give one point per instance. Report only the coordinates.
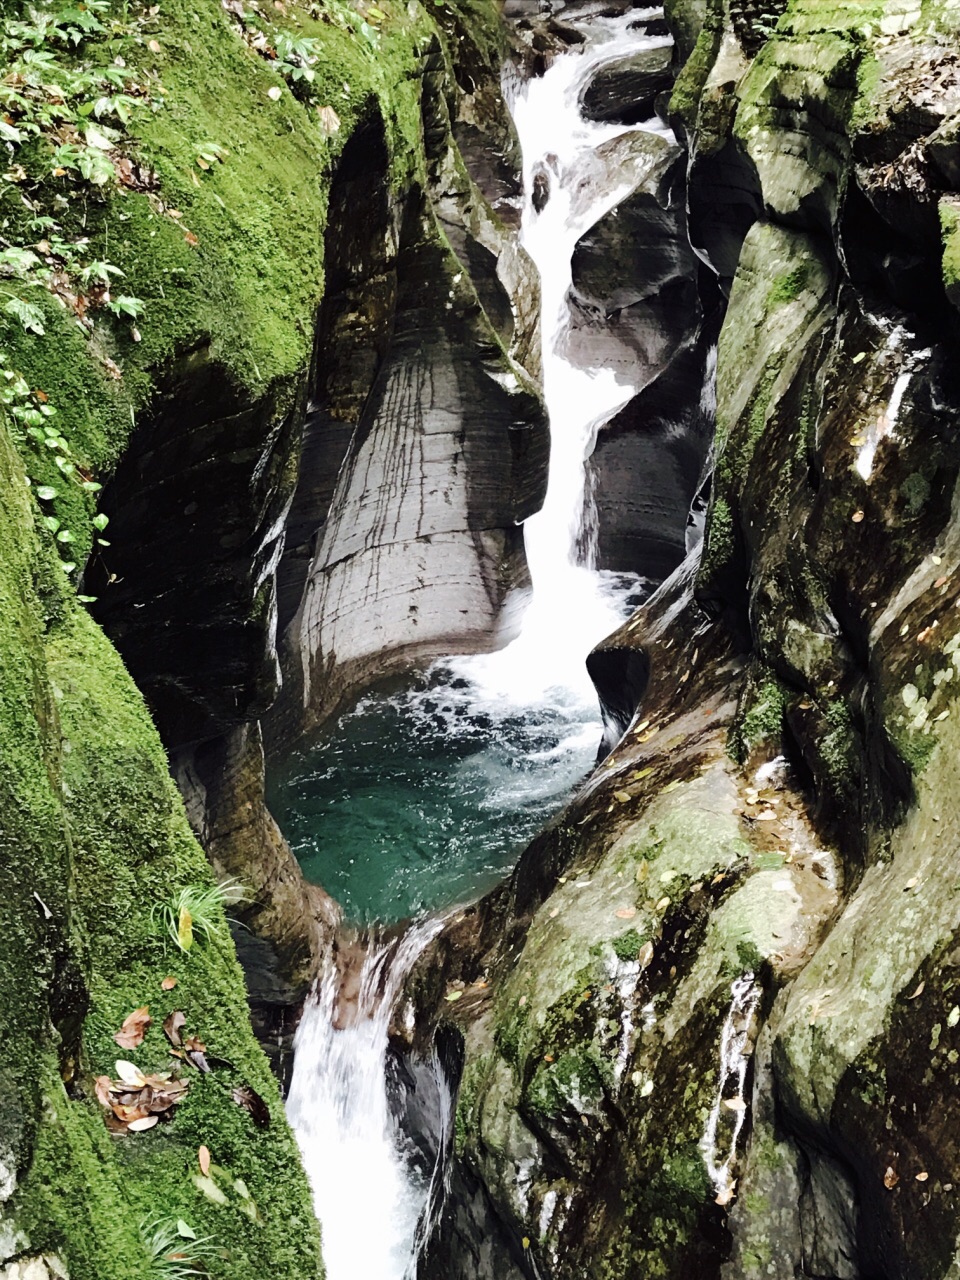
(34, 417)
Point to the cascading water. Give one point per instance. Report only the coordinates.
(513, 730)
(367, 1197)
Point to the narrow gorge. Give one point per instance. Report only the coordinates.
(477, 569)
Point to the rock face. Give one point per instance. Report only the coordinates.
(641, 307)
(421, 459)
(626, 91)
(710, 1024)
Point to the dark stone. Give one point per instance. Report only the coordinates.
(648, 465)
(186, 589)
(626, 91)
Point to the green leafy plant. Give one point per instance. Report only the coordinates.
(197, 911)
(66, 97)
(174, 1250)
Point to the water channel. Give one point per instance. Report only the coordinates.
(422, 796)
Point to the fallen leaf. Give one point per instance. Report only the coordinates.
(554, 913)
(168, 984)
(192, 240)
(153, 46)
(857, 517)
(185, 1231)
(622, 796)
(329, 120)
(911, 884)
(452, 996)
(196, 1053)
(129, 1073)
(626, 913)
(941, 582)
(646, 955)
(251, 1101)
(145, 1122)
(171, 1027)
(768, 815)
(185, 930)
(890, 1178)
(663, 904)
(918, 992)
(735, 1104)
(203, 1156)
(130, 1035)
(922, 1177)
(274, 93)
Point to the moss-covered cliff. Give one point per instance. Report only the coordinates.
(164, 218)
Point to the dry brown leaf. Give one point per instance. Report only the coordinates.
(890, 1178)
(918, 992)
(857, 517)
(735, 1104)
(153, 46)
(168, 984)
(922, 1177)
(646, 955)
(172, 1025)
(251, 1101)
(130, 1035)
(626, 913)
(203, 1157)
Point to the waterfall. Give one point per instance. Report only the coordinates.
(572, 606)
(367, 1196)
(729, 1110)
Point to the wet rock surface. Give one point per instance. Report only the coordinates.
(765, 858)
(626, 92)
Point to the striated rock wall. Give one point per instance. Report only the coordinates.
(710, 1025)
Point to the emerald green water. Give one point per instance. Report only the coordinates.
(422, 797)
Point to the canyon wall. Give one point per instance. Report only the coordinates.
(711, 1024)
(313, 217)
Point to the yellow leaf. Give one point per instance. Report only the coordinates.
(526, 1242)
(451, 996)
(185, 930)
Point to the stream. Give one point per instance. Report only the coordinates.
(422, 796)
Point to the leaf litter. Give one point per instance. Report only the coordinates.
(130, 1035)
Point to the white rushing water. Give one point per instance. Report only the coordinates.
(368, 1198)
(572, 606)
(729, 1111)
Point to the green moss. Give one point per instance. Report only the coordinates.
(788, 287)
(839, 750)
(575, 1081)
(719, 546)
(950, 232)
(627, 946)
(688, 88)
(759, 716)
